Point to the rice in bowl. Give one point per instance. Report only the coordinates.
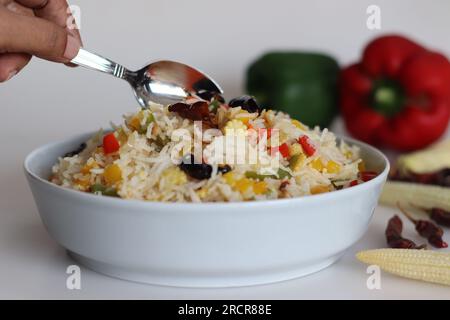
(204, 150)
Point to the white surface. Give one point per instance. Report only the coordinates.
(48, 102)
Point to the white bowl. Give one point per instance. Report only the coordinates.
(203, 245)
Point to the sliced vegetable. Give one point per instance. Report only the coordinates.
(260, 187)
(432, 159)
(425, 196)
(296, 161)
(307, 146)
(103, 190)
(317, 164)
(367, 175)
(281, 174)
(110, 143)
(112, 174)
(282, 149)
(320, 189)
(333, 167)
(353, 183)
(424, 265)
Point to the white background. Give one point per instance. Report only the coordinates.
(48, 102)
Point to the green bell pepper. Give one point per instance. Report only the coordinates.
(300, 83)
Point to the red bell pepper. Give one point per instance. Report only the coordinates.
(283, 149)
(307, 146)
(398, 96)
(110, 143)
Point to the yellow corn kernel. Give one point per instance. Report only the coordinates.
(135, 123)
(88, 166)
(174, 176)
(202, 193)
(424, 265)
(296, 161)
(243, 184)
(235, 126)
(112, 174)
(320, 189)
(299, 125)
(295, 149)
(229, 178)
(333, 167)
(317, 164)
(82, 184)
(361, 166)
(260, 187)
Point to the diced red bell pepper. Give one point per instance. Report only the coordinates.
(353, 183)
(367, 175)
(283, 149)
(110, 143)
(307, 146)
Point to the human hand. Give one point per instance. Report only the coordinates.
(34, 28)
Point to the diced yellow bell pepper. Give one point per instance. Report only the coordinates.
(320, 189)
(229, 178)
(260, 187)
(296, 161)
(317, 164)
(243, 184)
(299, 125)
(361, 166)
(112, 174)
(333, 167)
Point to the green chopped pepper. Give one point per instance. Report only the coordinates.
(302, 84)
(103, 190)
(281, 174)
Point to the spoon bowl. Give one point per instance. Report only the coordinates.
(163, 82)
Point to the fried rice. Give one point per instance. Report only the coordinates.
(145, 158)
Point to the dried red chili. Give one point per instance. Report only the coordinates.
(427, 229)
(440, 216)
(197, 111)
(394, 235)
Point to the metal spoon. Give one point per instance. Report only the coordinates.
(163, 82)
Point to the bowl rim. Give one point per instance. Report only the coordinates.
(241, 204)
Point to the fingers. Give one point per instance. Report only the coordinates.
(35, 36)
(11, 64)
(56, 11)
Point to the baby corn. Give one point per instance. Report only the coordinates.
(424, 265)
(426, 196)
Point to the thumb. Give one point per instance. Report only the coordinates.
(36, 36)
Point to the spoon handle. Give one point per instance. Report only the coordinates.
(94, 61)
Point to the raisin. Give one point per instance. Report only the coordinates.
(247, 103)
(76, 151)
(210, 96)
(198, 171)
(224, 169)
(196, 111)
